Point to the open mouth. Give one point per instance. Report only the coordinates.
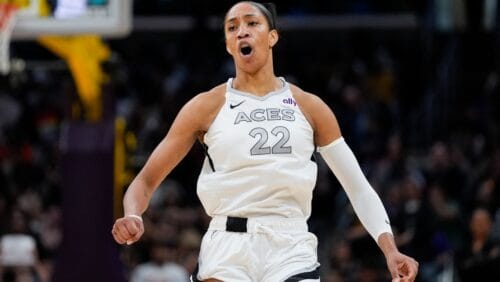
(246, 50)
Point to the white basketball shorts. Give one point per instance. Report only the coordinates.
(258, 250)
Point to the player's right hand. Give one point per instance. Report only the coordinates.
(128, 229)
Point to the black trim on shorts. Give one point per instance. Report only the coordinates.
(194, 276)
(305, 275)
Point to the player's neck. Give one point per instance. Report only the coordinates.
(259, 84)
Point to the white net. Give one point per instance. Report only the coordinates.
(8, 14)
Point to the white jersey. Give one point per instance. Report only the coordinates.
(259, 157)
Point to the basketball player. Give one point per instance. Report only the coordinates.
(257, 179)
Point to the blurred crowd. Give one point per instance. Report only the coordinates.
(426, 135)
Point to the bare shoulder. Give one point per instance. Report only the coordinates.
(304, 98)
(205, 106)
(210, 99)
(309, 103)
(319, 115)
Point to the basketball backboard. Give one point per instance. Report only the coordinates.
(108, 18)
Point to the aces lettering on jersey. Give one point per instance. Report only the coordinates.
(268, 114)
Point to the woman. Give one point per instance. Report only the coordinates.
(257, 179)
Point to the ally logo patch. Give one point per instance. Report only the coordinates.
(289, 101)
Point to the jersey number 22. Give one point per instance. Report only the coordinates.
(262, 136)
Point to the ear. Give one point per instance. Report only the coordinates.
(273, 38)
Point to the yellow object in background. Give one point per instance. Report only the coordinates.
(18, 3)
(43, 8)
(125, 142)
(84, 55)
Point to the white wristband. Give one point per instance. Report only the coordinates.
(134, 216)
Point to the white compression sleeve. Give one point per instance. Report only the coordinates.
(364, 199)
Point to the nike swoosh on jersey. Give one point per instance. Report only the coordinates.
(236, 105)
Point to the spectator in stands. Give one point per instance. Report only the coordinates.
(18, 251)
(479, 258)
(162, 266)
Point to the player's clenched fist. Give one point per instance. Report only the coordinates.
(403, 268)
(128, 229)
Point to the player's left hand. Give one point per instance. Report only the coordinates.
(403, 268)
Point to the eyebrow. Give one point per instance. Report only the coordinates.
(245, 16)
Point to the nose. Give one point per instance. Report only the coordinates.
(243, 32)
